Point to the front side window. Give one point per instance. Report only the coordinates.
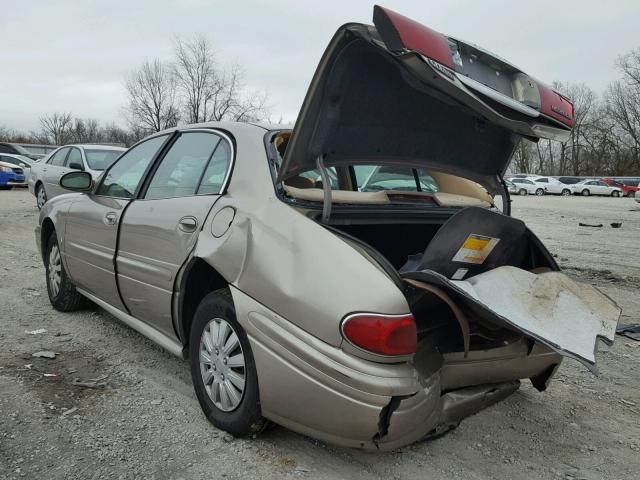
(123, 178)
(191, 159)
(59, 157)
(74, 160)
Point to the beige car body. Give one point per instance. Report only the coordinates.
(294, 278)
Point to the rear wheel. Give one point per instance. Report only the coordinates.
(566, 192)
(222, 367)
(62, 292)
(522, 191)
(615, 193)
(41, 196)
(540, 192)
(586, 192)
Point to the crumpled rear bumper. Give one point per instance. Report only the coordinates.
(319, 390)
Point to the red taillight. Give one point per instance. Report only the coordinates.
(382, 334)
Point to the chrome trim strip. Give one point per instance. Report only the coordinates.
(497, 96)
(169, 344)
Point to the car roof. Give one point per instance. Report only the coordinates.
(95, 147)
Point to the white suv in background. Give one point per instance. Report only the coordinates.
(553, 186)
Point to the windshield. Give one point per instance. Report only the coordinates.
(371, 178)
(101, 159)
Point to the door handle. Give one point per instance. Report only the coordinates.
(188, 224)
(111, 218)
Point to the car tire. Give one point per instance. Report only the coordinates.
(41, 196)
(522, 191)
(586, 192)
(239, 413)
(566, 192)
(62, 292)
(615, 193)
(540, 192)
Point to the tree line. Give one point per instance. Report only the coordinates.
(605, 139)
(194, 87)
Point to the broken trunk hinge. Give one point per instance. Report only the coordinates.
(326, 189)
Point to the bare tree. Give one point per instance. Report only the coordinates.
(151, 92)
(210, 91)
(56, 127)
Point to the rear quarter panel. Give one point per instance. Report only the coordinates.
(288, 262)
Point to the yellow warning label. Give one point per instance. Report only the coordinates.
(474, 243)
(475, 249)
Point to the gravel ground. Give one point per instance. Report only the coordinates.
(143, 420)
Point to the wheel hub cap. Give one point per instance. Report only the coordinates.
(222, 364)
(55, 267)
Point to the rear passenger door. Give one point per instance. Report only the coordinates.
(159, 230)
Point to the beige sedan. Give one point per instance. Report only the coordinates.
(369, 313)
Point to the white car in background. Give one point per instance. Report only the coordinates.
(44, 178)
(595, 187)
(553, 186)
(526, 186)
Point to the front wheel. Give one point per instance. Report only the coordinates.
(566, 192)
(62, 292)
(586, 193)
(522, 191)
(223, 370)
(615, 193)
(540, 192)
(41, 196)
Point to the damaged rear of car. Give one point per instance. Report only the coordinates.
(399, 151)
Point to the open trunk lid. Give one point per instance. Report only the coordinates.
(401, 93)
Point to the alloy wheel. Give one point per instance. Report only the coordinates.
(222, 364)
(55, 267)
(566, 192)
(41, 197)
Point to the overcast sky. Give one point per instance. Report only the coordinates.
(72, 55)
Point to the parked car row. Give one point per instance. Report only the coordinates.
(566, 186)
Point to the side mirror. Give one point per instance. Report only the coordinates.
(77, 181)
(76, 166)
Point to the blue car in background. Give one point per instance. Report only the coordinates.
(11, 176)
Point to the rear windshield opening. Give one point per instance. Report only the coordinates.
(379, 184)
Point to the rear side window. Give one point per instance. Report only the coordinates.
(184, 166)
(216, 172)
(123, 178)
(542, 180)
(59, 157)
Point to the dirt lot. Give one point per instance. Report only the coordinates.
(145, 422)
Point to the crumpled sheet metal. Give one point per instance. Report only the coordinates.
(566, 315)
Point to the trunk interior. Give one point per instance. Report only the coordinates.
(436, 322)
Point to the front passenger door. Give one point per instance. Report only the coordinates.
(160, 229)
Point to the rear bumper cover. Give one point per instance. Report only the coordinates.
(352, 402)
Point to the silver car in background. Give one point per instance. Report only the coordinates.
(44, 176)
